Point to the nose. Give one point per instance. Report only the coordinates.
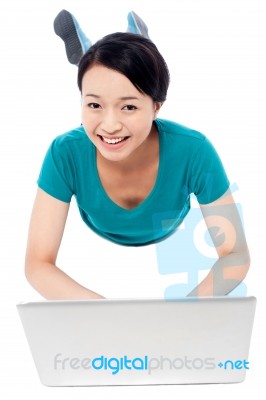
(111, 123)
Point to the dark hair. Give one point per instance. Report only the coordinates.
(133, 56)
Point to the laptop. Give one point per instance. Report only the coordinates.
(140, 341)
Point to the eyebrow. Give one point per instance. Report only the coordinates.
(121, 98)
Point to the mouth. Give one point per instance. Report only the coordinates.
(113, 140)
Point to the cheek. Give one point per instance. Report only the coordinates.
(144, 127)
(141, 124)
(83, 115)
(89, 119)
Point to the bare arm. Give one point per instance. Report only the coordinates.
(45, 234)
(225, 228)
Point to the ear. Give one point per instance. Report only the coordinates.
(157, 107)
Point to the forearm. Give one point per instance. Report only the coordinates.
(226, 274)
(54, 284)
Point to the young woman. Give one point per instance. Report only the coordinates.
(126, 167)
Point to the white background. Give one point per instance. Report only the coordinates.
(215, 51)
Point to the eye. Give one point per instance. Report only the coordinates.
(94, 105)
(129, 107)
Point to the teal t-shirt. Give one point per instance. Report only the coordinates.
(188, 164)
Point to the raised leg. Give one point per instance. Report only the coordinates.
(68, 29)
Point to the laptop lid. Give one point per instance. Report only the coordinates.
(130, 342)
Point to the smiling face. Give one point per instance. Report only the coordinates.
(117, 118)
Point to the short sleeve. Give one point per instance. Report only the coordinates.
(56, 176)
(209, 180)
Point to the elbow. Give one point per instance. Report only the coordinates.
(238, 267)
(37, 269)
(245, 269)
(244, 262)
(29, 269)
(32, 269)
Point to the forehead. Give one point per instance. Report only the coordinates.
(102, 80)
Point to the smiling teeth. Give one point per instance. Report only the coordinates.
(112, 141)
